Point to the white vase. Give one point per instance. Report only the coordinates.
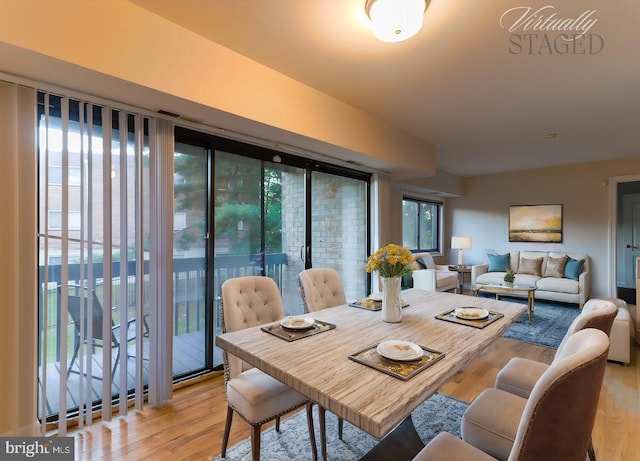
(391, 299)
(508, 284)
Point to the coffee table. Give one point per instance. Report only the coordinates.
(517, 290)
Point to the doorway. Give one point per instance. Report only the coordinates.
(627, 239)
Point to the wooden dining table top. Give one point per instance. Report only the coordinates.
(319, 366)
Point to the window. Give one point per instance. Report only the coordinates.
(55, 220)
(55, 175)
(421, 224)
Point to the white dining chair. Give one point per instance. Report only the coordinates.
(257, 397)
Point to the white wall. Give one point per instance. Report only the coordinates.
(483, 212)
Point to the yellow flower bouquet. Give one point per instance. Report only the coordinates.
(392, 261)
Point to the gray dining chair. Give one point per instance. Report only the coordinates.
(322, 288)
(553, 424)
(519, 375)
(257, 397)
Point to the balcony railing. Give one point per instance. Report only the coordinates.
(189, 288)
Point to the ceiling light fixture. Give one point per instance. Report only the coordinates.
(396, 20)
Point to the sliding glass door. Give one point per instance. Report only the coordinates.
(339, 229)
(274, 215)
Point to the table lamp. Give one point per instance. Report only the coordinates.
(460, 243)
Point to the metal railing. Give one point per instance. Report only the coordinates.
(189, 291)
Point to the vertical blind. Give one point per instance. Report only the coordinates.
(105, 183)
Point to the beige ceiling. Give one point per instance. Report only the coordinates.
(456, 83)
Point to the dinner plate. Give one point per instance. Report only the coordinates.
(471, 313)
(297, 323)
(399, 350)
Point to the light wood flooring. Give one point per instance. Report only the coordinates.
(190, 426)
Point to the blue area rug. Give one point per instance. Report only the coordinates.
(550, 323)
(436, 414)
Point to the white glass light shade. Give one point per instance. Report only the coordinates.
(396, 20)
(460, 243)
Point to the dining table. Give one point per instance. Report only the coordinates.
(375, 394)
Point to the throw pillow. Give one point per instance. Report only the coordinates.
(530, 266)
(499, 263)
(421, 264)
(573, 268)
(427, 260)
(555, 267)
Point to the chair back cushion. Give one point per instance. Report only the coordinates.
(559, 415)
(321, 288)
(596, 313)
(248, 302)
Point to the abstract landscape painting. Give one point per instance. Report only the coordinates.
(535, 223)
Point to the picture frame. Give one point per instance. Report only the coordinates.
(535, 223)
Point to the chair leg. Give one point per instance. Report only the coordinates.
(312, 431)
(75, 356)
(323, 431)
(591, 452)
(340, 426)
(255, 442)
(278, 424)
(227, 430)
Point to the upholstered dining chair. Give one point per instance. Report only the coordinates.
(553, 424)
(254, 395)
(519, 375)
(322, 288)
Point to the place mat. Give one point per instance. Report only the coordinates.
(450, 316)
(372, 306)
(401, 370)
(291, 335)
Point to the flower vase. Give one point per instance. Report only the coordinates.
(508, 284)
(391, 299)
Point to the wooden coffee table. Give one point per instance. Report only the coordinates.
(517, 290)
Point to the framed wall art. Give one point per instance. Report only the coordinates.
(535, 223)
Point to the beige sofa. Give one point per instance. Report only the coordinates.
(539, 268)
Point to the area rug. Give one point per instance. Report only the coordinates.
(550, 323)
(436, 414)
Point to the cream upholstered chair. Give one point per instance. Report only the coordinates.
(519, 375)
(553, 424)
(253, 394)
(321, 288)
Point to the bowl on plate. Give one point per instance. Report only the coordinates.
(471, 313)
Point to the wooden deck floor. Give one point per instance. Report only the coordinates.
(188, 356)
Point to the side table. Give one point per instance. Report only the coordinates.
(461, 270)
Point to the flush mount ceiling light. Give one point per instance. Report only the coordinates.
(396, 20)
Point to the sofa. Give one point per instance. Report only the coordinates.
(432, 276)
(558, 276)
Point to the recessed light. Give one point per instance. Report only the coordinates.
(551, 135)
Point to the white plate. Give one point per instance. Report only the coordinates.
(471, 313)
(399, 350)
(297, 323)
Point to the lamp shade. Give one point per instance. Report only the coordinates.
(460, 242)
(396, 20)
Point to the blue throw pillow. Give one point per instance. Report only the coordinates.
(499, 263)
(573, 268)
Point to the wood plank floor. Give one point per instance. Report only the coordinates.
(190, 427)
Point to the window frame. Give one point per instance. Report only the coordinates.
(437, 226)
